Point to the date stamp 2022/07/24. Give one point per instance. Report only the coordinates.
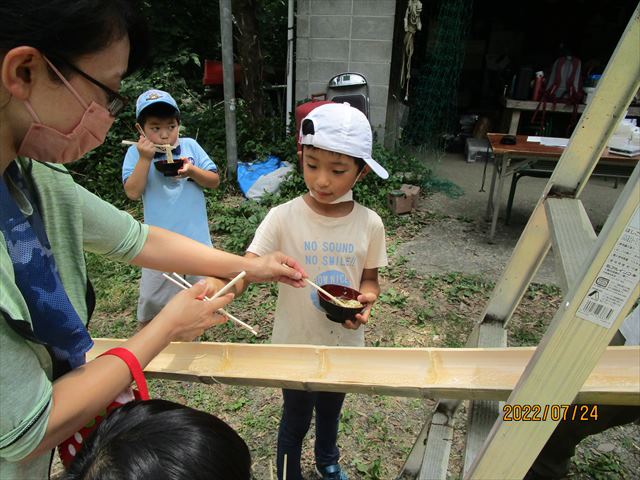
(542, 413)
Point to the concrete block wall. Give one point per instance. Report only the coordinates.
(336, 36)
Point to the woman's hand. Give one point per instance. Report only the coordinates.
(188, 315)
(367, 299)
(276, 266)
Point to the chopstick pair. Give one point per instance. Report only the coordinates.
(184, 284)
(161, 148)
(335, 300)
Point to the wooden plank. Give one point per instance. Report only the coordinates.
(559, 107)
(487, 374)
(435, 449)
(577, 336)
(413, 463)
(482, 414)
(436, 461)
(572, 237)
(523, 148)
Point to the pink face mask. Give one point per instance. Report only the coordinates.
(47, 144)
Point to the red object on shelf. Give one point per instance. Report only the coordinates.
(302, 111)
(538, 86)
(213, 73)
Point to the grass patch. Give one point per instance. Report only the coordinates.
(600, 466)
(414, 310)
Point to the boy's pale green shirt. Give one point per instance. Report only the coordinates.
(76, 221)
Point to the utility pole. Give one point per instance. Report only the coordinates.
(226, 34)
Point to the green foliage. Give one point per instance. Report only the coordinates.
(463, 286)
(272, 21)
(238, 225)
(536, 290)
(527, 332)
(394, 298)
(346, 421)
(369, 471)
(604, 466)
(236, 404)
(112, 283)
(424, 315)
(189, 27)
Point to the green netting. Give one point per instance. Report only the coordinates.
(434, 108)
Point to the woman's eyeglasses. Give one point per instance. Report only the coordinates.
(115, 101)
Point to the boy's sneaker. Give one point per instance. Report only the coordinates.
(331, 472)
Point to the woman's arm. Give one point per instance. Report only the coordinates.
(170, 252)
(79, 395)
(215, 284)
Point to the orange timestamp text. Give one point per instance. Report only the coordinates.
(542, 413)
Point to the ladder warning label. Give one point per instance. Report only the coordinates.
(617, 279)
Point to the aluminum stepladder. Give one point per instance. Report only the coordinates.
(582, 327)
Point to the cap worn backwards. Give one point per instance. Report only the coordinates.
(154, 96)
(341, 128)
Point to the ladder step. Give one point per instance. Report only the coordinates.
(438, 448)
(492, 335)
(572, 237)
(482, 415)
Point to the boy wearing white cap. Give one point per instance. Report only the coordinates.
(340, 242)
(176, 201)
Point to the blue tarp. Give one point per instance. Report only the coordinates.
(250, 172)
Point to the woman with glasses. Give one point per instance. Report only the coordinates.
(61, 64)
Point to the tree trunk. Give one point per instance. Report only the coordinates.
(250, 56)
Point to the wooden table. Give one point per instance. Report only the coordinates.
(515, 107)
(534, 157)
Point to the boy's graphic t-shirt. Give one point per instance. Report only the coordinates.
(331, 250)
(174, 203)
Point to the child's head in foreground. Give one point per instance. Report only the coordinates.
(161, 440)
(159, 116)
(336, 144)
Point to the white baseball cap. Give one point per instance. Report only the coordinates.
(341, 128)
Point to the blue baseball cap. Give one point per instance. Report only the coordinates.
(154, 96)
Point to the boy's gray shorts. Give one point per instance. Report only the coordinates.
(155, 293)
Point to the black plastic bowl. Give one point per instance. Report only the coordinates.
(335, 312)
(169, 169)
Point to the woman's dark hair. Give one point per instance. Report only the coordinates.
(69, 29)
(159, 110)
(161, 440)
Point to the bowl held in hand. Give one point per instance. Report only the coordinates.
(337, 313)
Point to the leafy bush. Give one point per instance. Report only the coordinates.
(234, 226)
(204, 119)
(201, 118)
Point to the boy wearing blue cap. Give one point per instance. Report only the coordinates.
(172, 200)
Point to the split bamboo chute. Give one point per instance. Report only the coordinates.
(462, 373)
